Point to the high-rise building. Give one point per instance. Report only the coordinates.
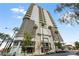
(40, 25)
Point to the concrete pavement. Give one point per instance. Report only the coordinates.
(68, 53)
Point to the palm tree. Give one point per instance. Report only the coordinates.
(77, 45)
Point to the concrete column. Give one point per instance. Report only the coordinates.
(52, 45)
(37, 47)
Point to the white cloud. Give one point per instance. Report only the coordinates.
(68, 25)
(19, 17)
(18, 10)
(14, 9)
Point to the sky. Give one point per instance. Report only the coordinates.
(11, 15)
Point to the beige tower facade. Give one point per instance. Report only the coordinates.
(40, 25)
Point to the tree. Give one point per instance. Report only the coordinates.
(26, 41)
(71, 15)
(77, 45)
(59, 45)
(50, 27)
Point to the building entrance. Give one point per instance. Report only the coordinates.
(30, 49)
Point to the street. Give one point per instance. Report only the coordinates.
(69, 53)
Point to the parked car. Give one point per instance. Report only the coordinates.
(77, 53)
(61, 51)
(50, 52)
